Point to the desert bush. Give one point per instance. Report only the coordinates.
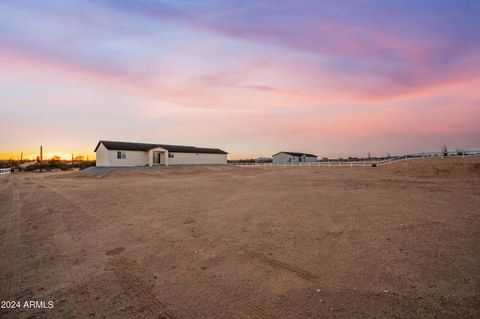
(251, 160)
(9, 163)
(63, 165)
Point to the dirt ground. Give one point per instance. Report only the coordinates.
(225, 242)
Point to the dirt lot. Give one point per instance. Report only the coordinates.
(217, 242)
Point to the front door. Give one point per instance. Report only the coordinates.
(158, 158)
(161, 158)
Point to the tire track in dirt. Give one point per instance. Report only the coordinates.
(79, 277)
(128, 276)
(65, 242)
(138, 289)
(123, 269)
(73, 204)
(11, 244)
(284, 266)
(125, 273)
(257, 312)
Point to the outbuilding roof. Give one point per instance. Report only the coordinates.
(297, 154)
(145, 147)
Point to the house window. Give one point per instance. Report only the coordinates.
(121, 155)
(170, 155)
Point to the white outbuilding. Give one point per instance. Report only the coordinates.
(293, 157)
(111, 153)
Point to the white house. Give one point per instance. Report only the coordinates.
(292, 157)
(141, 154)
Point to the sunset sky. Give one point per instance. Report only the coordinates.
(333, 78)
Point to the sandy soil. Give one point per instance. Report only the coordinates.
(213, 242)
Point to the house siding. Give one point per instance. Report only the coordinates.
(197, 158)
(282, 158)
(133, 158)
(107, 157)
(102, 156)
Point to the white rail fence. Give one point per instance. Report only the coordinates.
(308, 164)
(4, 172)
(353, 163)
(409, 158)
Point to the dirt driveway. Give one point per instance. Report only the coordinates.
(241, 243)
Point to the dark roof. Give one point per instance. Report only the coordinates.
(297, 154)
(127, 146)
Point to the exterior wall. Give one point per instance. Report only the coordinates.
(107, 157)
(102, 156)
(133, 158)
(282, 158)
(196, 158)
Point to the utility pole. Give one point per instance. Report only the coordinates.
(72, 159)
(41, 157)
(21, 157)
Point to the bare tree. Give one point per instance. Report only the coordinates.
(444, 150)
(460, 150)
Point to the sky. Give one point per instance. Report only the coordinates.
(333, 78)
